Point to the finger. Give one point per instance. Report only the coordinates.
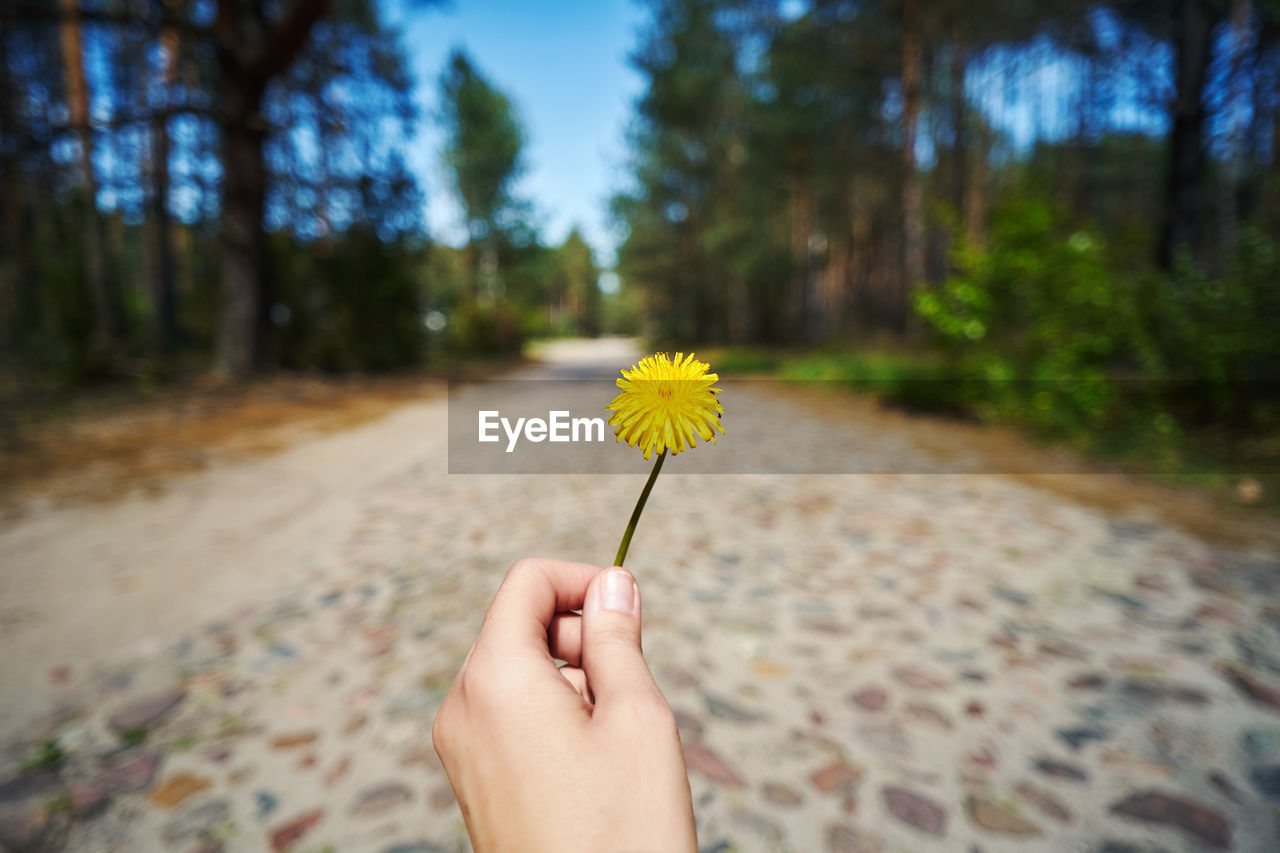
(611, 655)
(578, 681)
(533, 591)
(564, 638)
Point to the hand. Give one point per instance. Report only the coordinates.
(585, 757)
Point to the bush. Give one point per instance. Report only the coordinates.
(1218, 335)
(1038, 324)
(485, 329)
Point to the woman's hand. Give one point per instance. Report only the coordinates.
(584, 757)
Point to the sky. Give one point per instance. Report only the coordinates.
(564, 66)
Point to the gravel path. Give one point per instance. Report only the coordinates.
(914, 662)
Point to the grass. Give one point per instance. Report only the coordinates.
(48, 756)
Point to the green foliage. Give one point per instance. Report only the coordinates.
(134, 736)
(1037, 324)
(1045, 327)
(485, 329)
(48, 756)
(484, 146)
(1218, 335)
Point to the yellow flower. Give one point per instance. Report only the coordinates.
(665, 404)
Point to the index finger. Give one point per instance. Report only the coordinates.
(532, 593)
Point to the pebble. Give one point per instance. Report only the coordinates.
(701, 759)
(265, 804)
(782, 795)
(1046, 802)
(1060, 769)
(294, 740)
(723, 709)
(870, 699)
(848, 839)
(177, 789)
(929, 714)
(836, 776)
(380, 799)
(919, 679)
(146, 711)
(915, 810)
(1191, 816)
(1266, 779)
(131, 771)
(1261, 744)
(995, 817)
(292, 832)
(1266, 695)
(1078, 737)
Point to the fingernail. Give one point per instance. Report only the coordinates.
(618, 592)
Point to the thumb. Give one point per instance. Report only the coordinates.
(611, 656)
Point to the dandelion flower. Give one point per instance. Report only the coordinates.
(665, 405)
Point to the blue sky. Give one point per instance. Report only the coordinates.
(565, 67)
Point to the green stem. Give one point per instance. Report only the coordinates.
(635, 514)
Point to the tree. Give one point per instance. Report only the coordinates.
(1187, 195)
(485, 143)
(577, 285)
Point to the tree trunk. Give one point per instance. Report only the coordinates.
(975, 196)
(251, 52)
(959, 120)
(801, 227)
(103, 343)
(912, 214)
(244, 259)
(1184, 215)
(164, 288)
(13, 254)
(1228, 184)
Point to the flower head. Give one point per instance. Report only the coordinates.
(665, 404)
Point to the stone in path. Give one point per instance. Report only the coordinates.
(1044, 801)
(701, 759)
(131, 771)
(836, 776)
(846, 839)
(782, 795)
(178, 788)
(870, 699)
(290, 833)
(1194, 818)
(1267, 780)
(915, 810)
(146, 710)
(1060, 769)
(994, 817)
(380, 799)
(1266, 695)
(725, 710)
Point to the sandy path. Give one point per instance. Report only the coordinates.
(101, 581)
